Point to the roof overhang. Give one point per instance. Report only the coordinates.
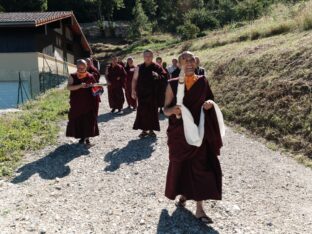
(49, 18)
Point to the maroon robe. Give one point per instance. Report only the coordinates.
(83, 112)
(115, 93)
(95, 72)
(128, 86)
(162, 89)
(194, 172)
(148, 92)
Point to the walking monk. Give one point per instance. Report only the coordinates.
(83, 105)
(115, 76)
(128, 84)
(194, 172)
(162, 86)
(92, 69)
(145, 88)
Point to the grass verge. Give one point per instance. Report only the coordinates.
(33, 128)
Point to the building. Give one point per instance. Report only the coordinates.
(37, 51)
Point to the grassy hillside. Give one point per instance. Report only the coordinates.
(261, 75)
(33, 128)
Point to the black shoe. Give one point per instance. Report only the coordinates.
(152, 134)
(113, 110)
(81, 141)
(119, 112)
(88, 144)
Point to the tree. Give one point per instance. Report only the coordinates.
(25, 5)
(108, 7)
(202, 18)
(140, 24)
(187, 31)
(150, 8)
(84, 10)
(168, 15)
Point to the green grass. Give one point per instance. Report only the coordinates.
(31, 129)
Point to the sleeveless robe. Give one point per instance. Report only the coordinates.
(116, 97)
(83, 112)
(148, 91)
(128, 86)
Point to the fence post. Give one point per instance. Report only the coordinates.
(30, 86)
(18, 90)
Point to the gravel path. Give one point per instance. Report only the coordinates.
(118, 187)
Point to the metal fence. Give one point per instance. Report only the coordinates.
(48, 80)
(18, 87)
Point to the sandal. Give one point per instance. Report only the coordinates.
(205, 219)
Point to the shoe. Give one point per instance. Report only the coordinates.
(119, 112)
(81, 141)
(152, 134)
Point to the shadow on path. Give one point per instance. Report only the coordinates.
(52, 165)
(135, 150)
(182, 221)
(110, 116)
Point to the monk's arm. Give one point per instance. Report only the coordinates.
(123, 74)
(71, 86)
(134, 83)
(107, 76)
(209, 97)
(168, 111)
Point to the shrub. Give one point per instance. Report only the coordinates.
(249, 9)
(188, 31)
(202, 18)
(304, 20)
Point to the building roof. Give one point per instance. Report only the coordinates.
(32, 19)
(36, 19)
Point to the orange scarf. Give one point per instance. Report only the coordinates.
(190, 81)
(82, 75)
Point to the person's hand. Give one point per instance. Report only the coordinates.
(118, 78)
(134, 94)
(176, 110)
(208, 105)
(84, 85)
(155, 75)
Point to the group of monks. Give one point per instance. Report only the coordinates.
(151, 88)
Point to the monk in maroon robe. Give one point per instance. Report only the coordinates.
(120, 62)
(162, 86)
(128, 83)
(145, 88)
(84, 105)
(194, 173)
(116, 75)
(93, 70)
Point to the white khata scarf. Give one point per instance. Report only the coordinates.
(195, 134)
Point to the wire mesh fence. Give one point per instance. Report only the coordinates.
(17, 87)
